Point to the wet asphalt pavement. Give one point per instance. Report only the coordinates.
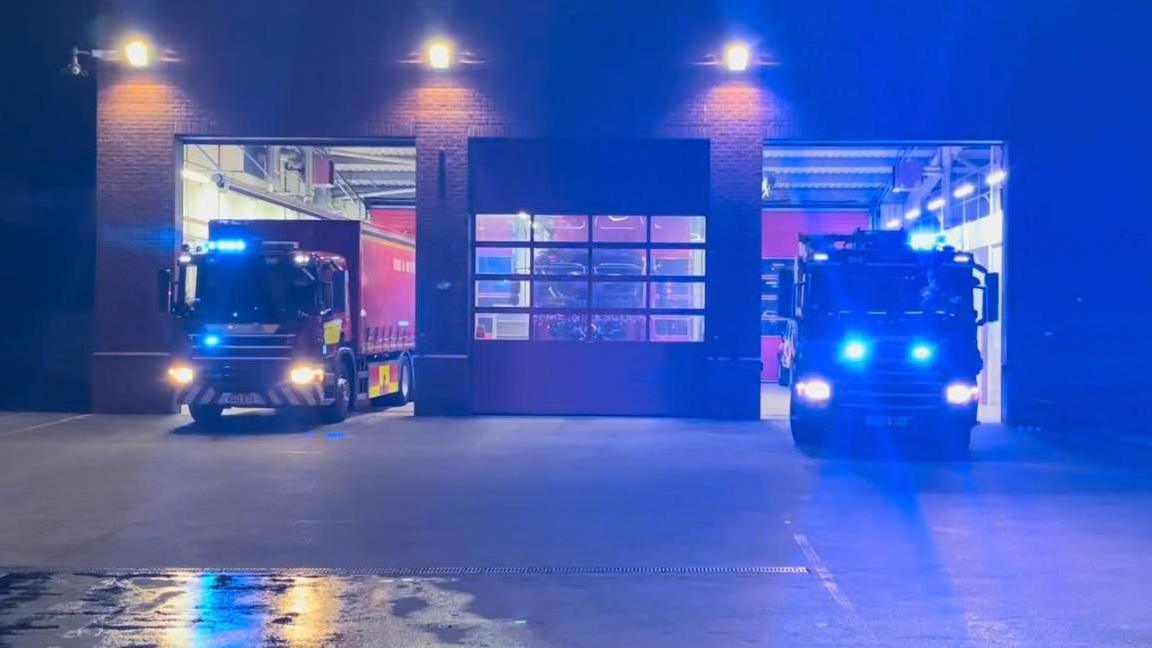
(393, 531)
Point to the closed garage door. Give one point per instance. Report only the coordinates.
(589, 276)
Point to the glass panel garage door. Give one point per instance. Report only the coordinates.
(596, 278)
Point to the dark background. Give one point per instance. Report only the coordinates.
(1065, 82)
(47, 183)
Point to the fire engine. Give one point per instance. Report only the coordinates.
(882, 334)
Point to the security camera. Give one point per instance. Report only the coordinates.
(767, 184)
(73, 68)
(220, 180)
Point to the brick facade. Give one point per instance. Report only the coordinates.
(142, 115)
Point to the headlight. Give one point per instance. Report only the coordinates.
(306, 374)
(814, 389)
(181, 374)
(961, 393)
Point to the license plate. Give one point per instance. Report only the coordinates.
(888, 421)
(241, 399)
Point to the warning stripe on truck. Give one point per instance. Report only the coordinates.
(276, 396)
(383, 378)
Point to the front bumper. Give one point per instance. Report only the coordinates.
(281, 395)
(921, 420)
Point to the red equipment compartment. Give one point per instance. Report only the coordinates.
(381, 273)
(388, 291)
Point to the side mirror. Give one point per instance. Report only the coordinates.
(785, 293)
(991, 298)
(164, 290)
(340, 291)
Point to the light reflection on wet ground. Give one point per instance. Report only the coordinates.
(177, 609)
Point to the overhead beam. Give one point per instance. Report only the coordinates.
(845, 170)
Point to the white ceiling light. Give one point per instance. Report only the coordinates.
(964, 190)
(996, 177)
(912, 214)
(937, 203)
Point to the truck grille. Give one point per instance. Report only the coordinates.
(248, 346)
(243, 375)
(892, 381)
(890, 391)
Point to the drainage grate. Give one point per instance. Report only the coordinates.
(416, 572)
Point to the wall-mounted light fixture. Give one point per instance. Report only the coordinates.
(737, 57)
(137, 53)
(439, 54)
(134, 51)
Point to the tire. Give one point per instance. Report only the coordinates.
(804, 433)
(783, 376)
(404, 395)
(337, 410)
(206, 415)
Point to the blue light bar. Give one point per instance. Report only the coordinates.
(925, 240)
(228, 245)
(211, 340)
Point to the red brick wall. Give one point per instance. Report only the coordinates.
(135, 237)
(225, 86)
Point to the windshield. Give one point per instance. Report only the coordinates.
(250, 289)
(884, 289)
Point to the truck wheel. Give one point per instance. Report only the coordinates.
(783, 376)
(806, 434)
(337, 410)
(404, 393)
(206, 415)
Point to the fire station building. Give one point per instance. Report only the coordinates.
(599, 198)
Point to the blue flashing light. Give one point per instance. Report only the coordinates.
(922, 353)
(211, 340)
(854, 350)
(228, 245)
(925, 240)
